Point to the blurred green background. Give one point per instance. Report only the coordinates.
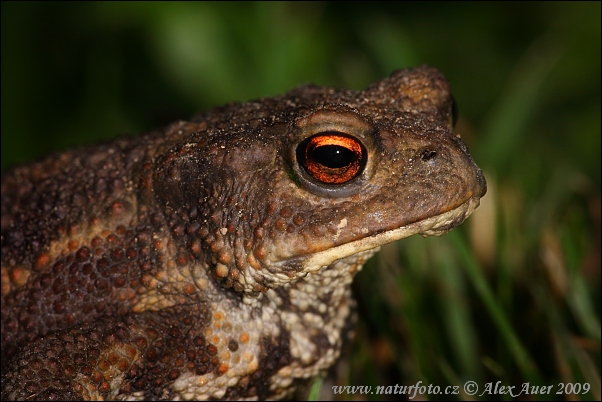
(513, 295)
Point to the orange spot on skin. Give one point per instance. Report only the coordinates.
(223, 368)
(253, 261)
(104, 387)
(130, 351)
(103, 365)
(272, 208)
(182, 260)
(224, 257)
(146, 280)
(141, 343)
(217, 245)
(286, 212)
(218, 315)
(19, 276)
(162, 276)
(260, 252)
(259, 288)
(42, 261)
(280, 224)
(212, 350)
(244, 337)
(188, 289)
(195, 247)
(113, 358)
(123, 365)
(73, 245)
(96, 241)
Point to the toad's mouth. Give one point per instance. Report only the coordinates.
(433, 226)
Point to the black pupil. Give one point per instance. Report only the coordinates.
(333, 156)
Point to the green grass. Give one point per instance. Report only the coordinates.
(513, 295)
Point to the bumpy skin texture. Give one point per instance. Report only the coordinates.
(204, 260)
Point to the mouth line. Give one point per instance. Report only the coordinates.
(432, 226)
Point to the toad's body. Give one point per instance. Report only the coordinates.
(213, 259)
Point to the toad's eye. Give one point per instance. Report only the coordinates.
(331, 157)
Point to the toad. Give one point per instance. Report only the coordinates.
(213, 259)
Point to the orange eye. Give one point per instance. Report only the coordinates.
(331, 157)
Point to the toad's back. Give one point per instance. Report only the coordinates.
(213, 259)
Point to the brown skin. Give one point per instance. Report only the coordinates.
(208, 260)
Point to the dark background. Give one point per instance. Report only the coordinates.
(514, 294)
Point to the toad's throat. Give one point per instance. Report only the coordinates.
(432, 226)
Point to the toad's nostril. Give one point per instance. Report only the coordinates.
(428, 154)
